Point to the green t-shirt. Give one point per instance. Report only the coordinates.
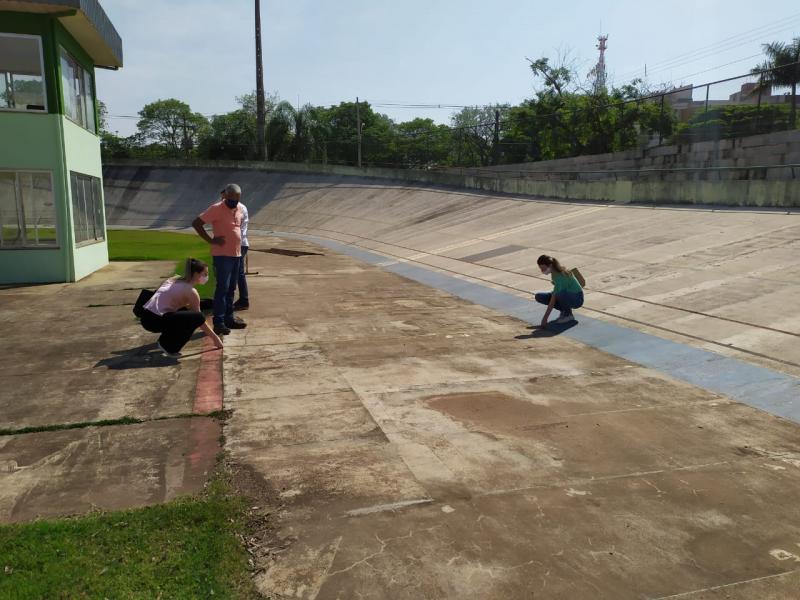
(565, 282)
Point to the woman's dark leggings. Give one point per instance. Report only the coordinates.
(564, 300)
(176, 328)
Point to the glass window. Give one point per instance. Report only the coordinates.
(21, 78)
(27, 210)
(87, 208)
(78, 92)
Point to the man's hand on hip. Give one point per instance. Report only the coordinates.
(218, 240)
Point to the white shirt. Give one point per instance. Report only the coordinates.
(245, 223)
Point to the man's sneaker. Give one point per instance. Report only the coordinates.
(170, 354)
(565, 317)
(239, 305)
(221, 329)
(235, 323)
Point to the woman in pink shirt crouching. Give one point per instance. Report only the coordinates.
(174, 310)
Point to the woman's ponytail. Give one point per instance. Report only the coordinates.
(190, 267)
(551, 262)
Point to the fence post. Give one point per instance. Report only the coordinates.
(758, 102)
(661, 122)
(705, 113)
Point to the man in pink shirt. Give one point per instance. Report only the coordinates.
(225, 218)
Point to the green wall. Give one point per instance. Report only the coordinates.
(52, 143)
(37, 146)
(83, 156)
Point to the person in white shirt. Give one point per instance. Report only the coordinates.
(243, 303)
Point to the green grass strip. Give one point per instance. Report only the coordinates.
(145, 245)
(220, 415)
(187, 548)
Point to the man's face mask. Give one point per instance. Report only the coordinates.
(231, 202)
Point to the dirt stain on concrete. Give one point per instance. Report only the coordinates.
(491, 411)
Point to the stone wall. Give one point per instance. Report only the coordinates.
(754, 157)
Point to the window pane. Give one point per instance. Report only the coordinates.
(21, 80)
(78, 93)
(78, 213)
(99, 222)
(88, 102)
(10, 230)
(38, 208)
(87, 208)
(67, 77)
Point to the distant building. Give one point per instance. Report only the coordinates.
(680, 99)
(52, 220)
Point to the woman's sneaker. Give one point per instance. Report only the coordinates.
(170, 354)
(565, 317)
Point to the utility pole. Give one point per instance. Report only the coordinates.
(261, 141)
(358, 128)
(496, 141)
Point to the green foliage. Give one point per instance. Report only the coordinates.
(733, 121)
(172, 125)
(783, 63)
(187, 548)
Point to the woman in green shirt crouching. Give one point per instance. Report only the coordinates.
(567, 292)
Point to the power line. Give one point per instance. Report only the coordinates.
(723, 45)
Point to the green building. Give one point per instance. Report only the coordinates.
(52, 220)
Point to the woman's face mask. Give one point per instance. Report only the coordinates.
(203, 279)
(545, 269)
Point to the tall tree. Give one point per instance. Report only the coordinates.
(783, 70)
(171, 124)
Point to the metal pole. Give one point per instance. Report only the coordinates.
(496, 140)
(708, 88)
(261, 142)
(358, 129)
(661, 122)
(758, 103)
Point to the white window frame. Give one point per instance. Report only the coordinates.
(19, 200)
(41, 66)
(92, 100)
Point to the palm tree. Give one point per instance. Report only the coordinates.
(782, 69)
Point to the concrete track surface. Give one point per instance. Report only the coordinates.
(722, 280)
(410, 444)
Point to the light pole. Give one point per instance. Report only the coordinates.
(262, 149)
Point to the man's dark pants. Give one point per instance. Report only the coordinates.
(226, 271)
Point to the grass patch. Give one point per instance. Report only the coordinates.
(187, 548)
(137, 244)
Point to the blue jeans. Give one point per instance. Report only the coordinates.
(244, 297)
(226, 270)
(565, 301)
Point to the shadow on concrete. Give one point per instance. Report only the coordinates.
(551, 330)
(294, 253)
(145, 356)
(137, 359)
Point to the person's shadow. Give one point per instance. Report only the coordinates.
(552, 329)
(146, 356)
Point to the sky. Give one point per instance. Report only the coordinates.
(450, 52)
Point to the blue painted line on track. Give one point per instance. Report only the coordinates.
(760, 387)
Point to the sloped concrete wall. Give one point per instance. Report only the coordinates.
(722, 192)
